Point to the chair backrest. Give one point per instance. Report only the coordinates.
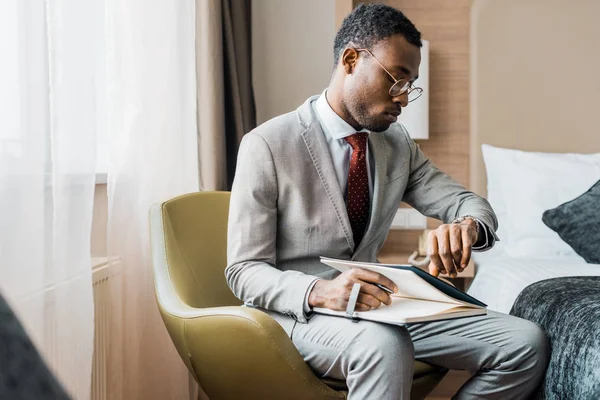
(195, 240)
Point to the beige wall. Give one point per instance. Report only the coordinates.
(536, 116)
(292, 52)
(446, 25)
(342, 9)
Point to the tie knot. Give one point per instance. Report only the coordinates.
(358, 141)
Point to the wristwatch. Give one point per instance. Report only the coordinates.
(465, 217)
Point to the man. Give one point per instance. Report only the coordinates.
(326, 180)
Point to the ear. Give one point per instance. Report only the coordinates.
(349, 59)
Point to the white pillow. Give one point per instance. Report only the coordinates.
(522, 185)
(493, 160)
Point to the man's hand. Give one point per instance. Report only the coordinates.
(334, 294)
(449, 247)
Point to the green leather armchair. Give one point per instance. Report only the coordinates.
(233, 352)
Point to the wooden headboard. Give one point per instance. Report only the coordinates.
(535, 78)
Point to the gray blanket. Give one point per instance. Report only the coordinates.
(23, 373)
(568, 310)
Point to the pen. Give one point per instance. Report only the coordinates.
(380, 286)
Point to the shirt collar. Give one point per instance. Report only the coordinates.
(332, 123)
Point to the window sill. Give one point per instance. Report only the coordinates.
(99, 262)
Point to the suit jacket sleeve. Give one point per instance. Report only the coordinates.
(435, 194)
(251, 237)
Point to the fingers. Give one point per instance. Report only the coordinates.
(433, 270)
(374, 277)
(368, 300)
(370, 296)
(436, 262)
(362, 307)
(466, 249)
(369, 289)
(449, 249)
(456, 248)
(364, 302)
(445, 252)
(368, 279)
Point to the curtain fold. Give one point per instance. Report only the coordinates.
(210, 96)
(153, 156)
(48, 117)
(239, 96)
(226, 109)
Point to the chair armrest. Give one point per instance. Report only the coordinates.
(241, 352)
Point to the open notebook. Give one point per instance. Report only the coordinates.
(421, 297)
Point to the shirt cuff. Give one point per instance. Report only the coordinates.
(307, 308)
(485, 240)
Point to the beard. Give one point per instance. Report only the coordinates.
(360, 113)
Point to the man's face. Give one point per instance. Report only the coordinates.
(366, 88)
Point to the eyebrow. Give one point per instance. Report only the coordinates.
(404, 71)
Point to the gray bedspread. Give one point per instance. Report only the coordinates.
(568, 310)
(23, 373)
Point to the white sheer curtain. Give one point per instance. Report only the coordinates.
(153, 156)
(47, 138)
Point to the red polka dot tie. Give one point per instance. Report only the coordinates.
(358, 186)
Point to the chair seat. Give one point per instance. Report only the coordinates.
(421, 369)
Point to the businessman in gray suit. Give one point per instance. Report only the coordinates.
(326, 180)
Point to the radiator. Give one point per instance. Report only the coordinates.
(101, 328)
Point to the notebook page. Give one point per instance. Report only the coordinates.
(404, 310)
(408, 308)
(409, 284)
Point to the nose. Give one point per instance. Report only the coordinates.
(402, 99)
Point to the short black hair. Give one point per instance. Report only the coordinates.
(368, 24)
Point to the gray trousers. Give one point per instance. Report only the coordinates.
(507, 355)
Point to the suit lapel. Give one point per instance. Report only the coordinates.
(319, 153)
(379, 150)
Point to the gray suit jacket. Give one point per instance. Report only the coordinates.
(287, 208)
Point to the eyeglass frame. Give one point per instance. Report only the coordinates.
(409, 86)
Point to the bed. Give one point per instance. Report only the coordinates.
(501, 278)
(535, 146)
(516, 105)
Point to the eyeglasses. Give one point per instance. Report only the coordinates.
(401, 85)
